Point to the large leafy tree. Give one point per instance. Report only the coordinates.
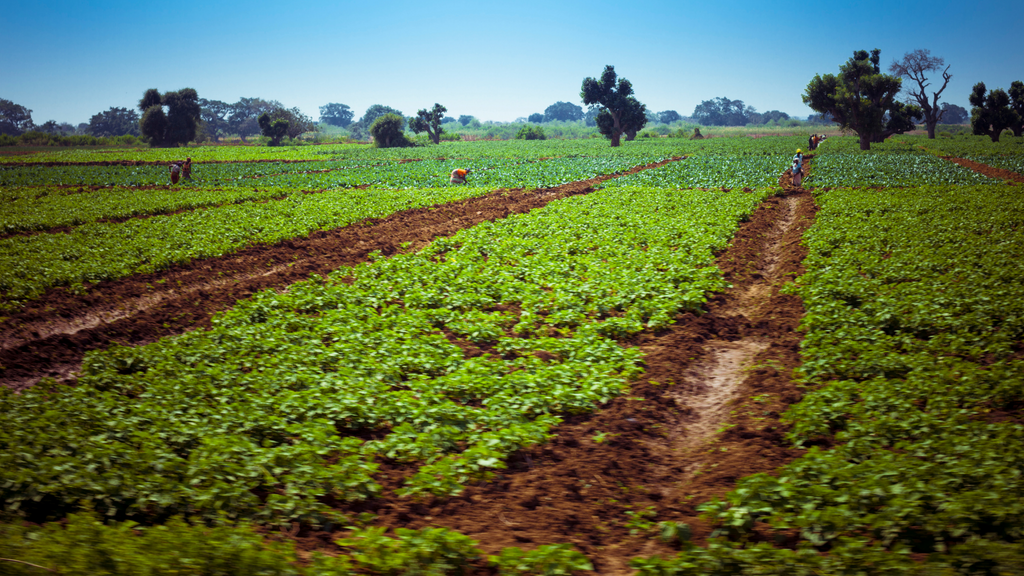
(991, 113)
(182, 116)
(1017, 103)
(563, 111)
(862, 99)
(275, 129)
(916, 66)
(429, 121)
(387, 131)
(178, 124)
(620, 111)
(634, 118)
(722, 111)
(464, 119)
(536, 118)
(15, 119)
(336, 114)
(114, 122)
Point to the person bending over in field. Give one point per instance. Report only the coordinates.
(175, 171)
(186, 169)
(459, 176)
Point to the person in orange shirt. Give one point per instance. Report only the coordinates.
(459, 176)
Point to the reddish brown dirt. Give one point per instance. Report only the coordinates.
(51, 335)
(990, 171)
(657, 452)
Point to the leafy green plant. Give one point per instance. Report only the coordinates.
(547, 560)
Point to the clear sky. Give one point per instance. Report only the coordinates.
(69, 59)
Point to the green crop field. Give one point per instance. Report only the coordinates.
(430, 376)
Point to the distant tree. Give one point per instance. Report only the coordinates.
(953, 114)
(1017, 103)
(464, 120)
(590, 118)
(825, 118)
(149, 99)
(153, 125)
(449, 120)
(620, 111)
(213, 117)
(178, 125)
(429, 121)
(182, 115)
(991, 114)
(536, 118)
(531, 133)
(15, 119)
(722, 111)
(563, 111)
(275, 129)
(669, 116)
(378, 110)
(336, 114)
(244, 115)
(633, 118)
(387, 131)
(298, 123)
(773, 116)
(862, 99)
(915, 66)
(114, 122)
(50, 127)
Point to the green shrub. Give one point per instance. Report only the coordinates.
(428, 552)
(550, 560)
(387, 132)
(85, 545)
(531, 133)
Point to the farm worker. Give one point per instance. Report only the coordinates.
(810, 141)
(459, 176)
(186, 169)
(797, 168)
(175, 171)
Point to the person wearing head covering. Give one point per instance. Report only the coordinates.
(175, 171)
(459, 176)
(186, 169)
(797, 168)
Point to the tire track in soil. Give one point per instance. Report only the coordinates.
(52, 334)
(657, 448)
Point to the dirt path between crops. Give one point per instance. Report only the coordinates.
(985, 169)
(705, 414)
(51, 335)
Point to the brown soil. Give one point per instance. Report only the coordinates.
(990, 171)
(50, 335)
(705, 414)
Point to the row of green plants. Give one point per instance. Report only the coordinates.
(316, 175)
(29, 208)
(890, 170)
(912, 363)
(267, 413)
(97, 251)
(85, 544)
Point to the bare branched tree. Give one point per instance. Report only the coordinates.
(915, 66)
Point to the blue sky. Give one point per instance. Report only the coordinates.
(67, 60)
